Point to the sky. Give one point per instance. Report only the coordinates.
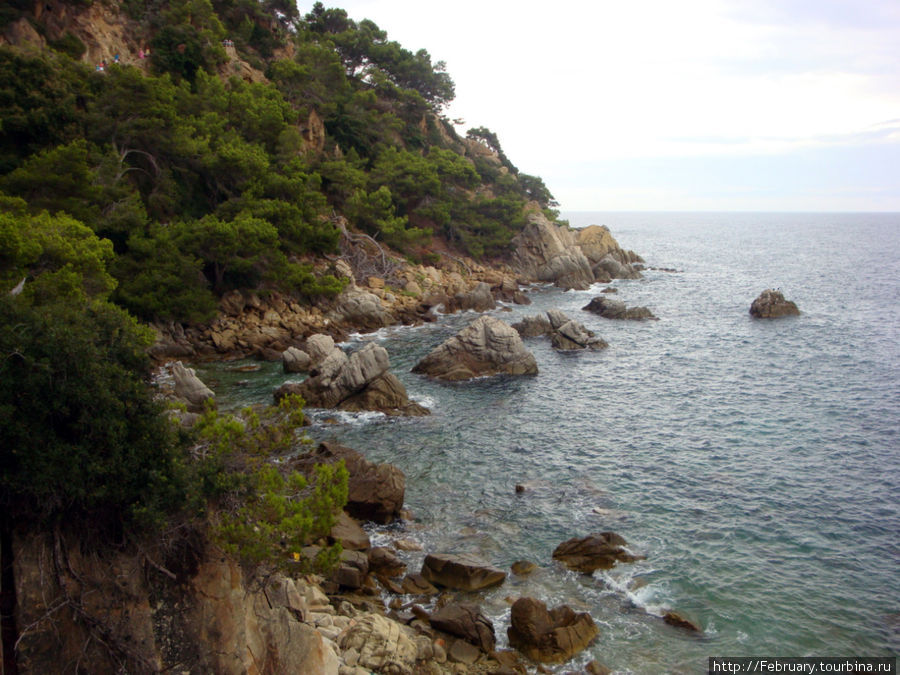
(661, 105)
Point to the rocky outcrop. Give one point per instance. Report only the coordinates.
(382, 645)
(487, 346)
(546, 252)
(598, 551)
(360, 381)
(466, 621)
(553, 636)
(479, 299)
(361, 310)
(190, 389)
(771, 305)
(294, 360)
(610, 308)
(608, 261)
(463, 572)
(565, 334)
(375, 491)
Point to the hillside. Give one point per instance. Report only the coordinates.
(222, 145)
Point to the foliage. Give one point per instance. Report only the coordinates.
(264, 513)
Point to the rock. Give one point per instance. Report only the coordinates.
(611, 267)
(190, 389)
(464, 572)
(416, 584)
(467, 622)
(478, 299)
(487, 346)
(318, 346)
(350, 534)
(771, 305)
(680, 621)
(463, 652)
(536, 325)
(352, 570)
(375, 491)
(295, 361)
(361, 310)
(610, 308)
(597, 668)
(601, 550)
(360, 381)
(384, 562)
(543, 251)
(383, 645)
(596, 242)
(385, 394)
(553, 636)
(523, 567)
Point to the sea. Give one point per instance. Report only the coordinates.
(754, 463)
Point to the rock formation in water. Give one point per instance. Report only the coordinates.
(565, 334)
(357, 382)
(487, 346)
(771, 305)
(463, 572)
(190, 389)
(610, 308)
(598, 551)
(549, 636)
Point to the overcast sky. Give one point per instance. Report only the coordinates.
(761, 105)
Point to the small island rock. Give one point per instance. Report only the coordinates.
(771, 305)
(487, 346)
(610, 308)
(467, 622)
(463, 572)
(190, 388)
(601, 550)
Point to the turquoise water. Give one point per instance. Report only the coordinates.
(756, 464)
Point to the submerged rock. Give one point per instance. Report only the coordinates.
(487, 346)
(601, 550)
(680, 621)
(771, 305)
(610, 308)
(553, 636)
(463, 572)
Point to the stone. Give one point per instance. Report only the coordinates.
(523, 567)
(375, 491)
(771, 305)
(611, 308)
(190, 389)
(464, 572)
(384, 562)
(467, 622)
(601, 550)
(318, 346)
(232, 303)
(383, 645)
(294, 360)
(416, 584)
(352, 570)
(385, 394)
(597, 668)
(543, 251)
(487, 346)
(462, 651)
(479, 299)
(348, 532)
(610, 267)
(565, 334)
(680, 621)
(536, 325)
(360, 310)
(553, 636)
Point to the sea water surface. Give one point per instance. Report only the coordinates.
(756, 464)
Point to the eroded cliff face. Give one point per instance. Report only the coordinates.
(126, 612)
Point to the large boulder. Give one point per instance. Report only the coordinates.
(190, 388)
(601, 550)
(360, 381)
(361, 310)
(294, 360)
(564, 333)
(608, 261)
(467, 622)
(543, 251)
(318, 346)
(479, 299)
(375, 491)
(464, 572)
(487, 346)
(610, 267)
(771, 305)
(383, 645)
(610, 308)
(553, 636)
